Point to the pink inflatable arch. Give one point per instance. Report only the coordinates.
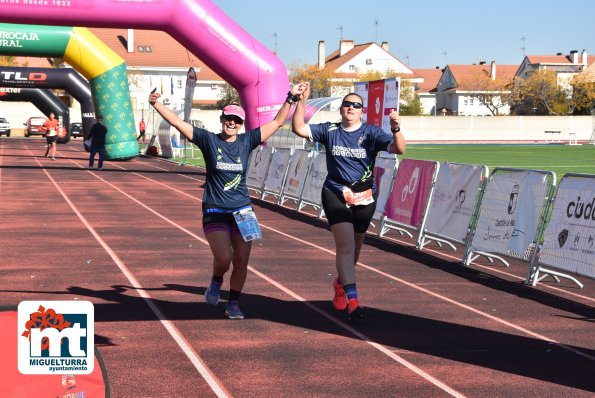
(200, 26)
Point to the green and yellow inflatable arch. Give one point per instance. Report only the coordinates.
(105, 70)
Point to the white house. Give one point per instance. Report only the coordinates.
(156, 60)
(474, 90)
(351, 60)
(425, 88)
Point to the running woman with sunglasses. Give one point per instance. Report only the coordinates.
(349, 193)
(228, 219)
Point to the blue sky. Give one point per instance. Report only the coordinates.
(422, 34)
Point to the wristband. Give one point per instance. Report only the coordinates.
(396, 129)
(292, 98)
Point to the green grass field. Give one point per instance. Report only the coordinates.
(560, 159)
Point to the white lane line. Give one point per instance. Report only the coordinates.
(439, 254)
(414, 286)
(186, 348)
(361, 336)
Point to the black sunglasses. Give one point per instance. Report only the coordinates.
(355, 105)
(233, 118)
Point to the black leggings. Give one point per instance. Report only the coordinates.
(336, 211)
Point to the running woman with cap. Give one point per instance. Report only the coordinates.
(228, 219)
(349, 193)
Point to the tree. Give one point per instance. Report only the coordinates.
(541, 93)
(8, 60)
(491, 92)
(583, 94)
(228, 95)
(322, 81)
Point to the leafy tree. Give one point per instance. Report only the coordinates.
(583, 94)
(541, 94)
(325, 83)
(322, 81)
(228, 95)
(7, 60)
(492, 93)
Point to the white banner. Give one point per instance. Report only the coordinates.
(384, 175)
(510, 212)
(569, 239)
(315, 180)
(296, 174)
(277, 170)
(380, 97)
(189, 93)
(453, 201)
(260, 159)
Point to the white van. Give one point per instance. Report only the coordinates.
(4, 127)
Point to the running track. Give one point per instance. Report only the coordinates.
(129, 239)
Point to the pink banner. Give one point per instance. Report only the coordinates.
(375, 102)
(408, 198)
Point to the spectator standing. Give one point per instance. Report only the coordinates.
(97, 135)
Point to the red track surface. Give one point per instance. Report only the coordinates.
(129, 239)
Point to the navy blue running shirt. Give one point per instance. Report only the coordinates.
(226, 164)
(350, 155)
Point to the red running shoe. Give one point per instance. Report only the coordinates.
(340, 299)
(356, 310)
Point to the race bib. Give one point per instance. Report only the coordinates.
(357, 198)
(52, 132)
(247, 224)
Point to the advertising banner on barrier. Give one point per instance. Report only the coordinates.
(314, 180)
(260, 159)
(277, 169)
(407, 200)
(384, 174)
(380, 98)
(510, 212)
(296, 173)
(453, 200)
(569, 239)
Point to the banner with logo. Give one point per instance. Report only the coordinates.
(277, 170)
(260, 158)
(569, 239)
(453, 200)
(189, 93)
(315, 180)
(296, 173)
(380, 98)
(384, 175)
(409, 196)
(41, 328)
(510, 212)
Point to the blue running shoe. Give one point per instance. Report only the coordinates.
(232, 310)
(212, 294)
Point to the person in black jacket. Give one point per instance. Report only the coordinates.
(97, 135)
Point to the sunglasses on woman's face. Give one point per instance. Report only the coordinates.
(355, 105)
(233, 118)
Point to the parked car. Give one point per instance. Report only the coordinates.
(4, 127)
(76, 130)
(34, 126)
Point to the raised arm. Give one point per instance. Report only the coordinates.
(298, 125)
(269, 128)
(170, 116)
(398, 145)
